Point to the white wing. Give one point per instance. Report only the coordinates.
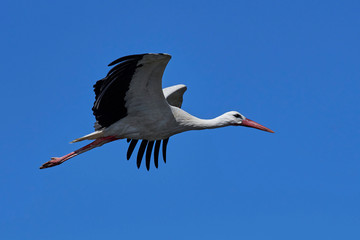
(132, 88)
(174, 94)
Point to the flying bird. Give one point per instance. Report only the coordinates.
(131, 104)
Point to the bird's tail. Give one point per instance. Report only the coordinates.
(91, 136)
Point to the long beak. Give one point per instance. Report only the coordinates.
(250, 123)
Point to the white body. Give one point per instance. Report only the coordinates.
(149, 115)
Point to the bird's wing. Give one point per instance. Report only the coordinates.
(174, 96)
(132, 86)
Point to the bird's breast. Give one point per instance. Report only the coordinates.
(149, 127)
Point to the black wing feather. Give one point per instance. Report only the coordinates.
(156, 153)
(109, 105)
(148, 154)
(165, 142)
(148, 146)
(141, 152)
(131, 148)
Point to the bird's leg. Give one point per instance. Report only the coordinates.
(97, 143)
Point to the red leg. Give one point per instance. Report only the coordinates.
(97, 143)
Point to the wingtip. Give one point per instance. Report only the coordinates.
(136, 57)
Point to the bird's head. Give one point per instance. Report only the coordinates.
(237, 119)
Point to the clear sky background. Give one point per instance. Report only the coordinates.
(292, 66)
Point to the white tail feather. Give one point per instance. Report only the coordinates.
(90, 136)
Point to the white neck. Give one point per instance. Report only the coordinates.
(190, 122)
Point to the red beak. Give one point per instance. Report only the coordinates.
(250, 123)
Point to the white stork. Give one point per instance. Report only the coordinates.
(130, 103)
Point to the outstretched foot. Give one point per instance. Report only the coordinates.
(59, 160)
(53, 162)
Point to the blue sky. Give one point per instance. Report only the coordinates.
(292, 66)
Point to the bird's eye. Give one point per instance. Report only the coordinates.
(237, 115)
